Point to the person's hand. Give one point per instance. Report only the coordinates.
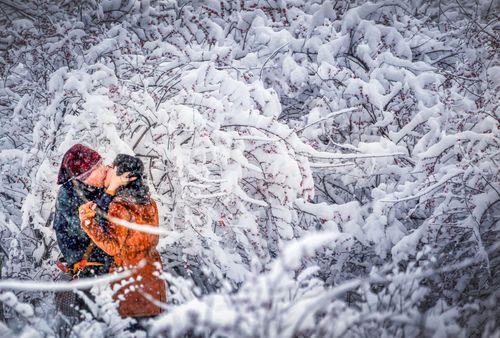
(117, 181)
(87, 211)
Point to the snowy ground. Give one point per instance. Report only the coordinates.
(322, 168)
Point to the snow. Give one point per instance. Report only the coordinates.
(7, 284)
(316, 165)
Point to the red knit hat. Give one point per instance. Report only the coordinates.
(77, 160)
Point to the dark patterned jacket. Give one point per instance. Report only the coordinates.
(71, 238)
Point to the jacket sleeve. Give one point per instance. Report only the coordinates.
(66, 215)
(103, 203)
(111, 239)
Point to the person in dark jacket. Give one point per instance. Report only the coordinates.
(82, 178)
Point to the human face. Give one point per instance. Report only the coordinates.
(110, 173)
(97, 177)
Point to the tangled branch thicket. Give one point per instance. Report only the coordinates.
(321, 168)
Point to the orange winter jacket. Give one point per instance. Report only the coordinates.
(129, 247)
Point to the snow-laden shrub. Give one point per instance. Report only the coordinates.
(291, 300)
(262, 123)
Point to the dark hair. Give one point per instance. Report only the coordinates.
(136, 191)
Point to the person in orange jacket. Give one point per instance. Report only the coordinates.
(131, 249)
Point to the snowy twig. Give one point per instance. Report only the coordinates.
(270, 57)
(427, 190)
(14, 284)
(336, 113)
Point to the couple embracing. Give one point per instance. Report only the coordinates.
(93, 198)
